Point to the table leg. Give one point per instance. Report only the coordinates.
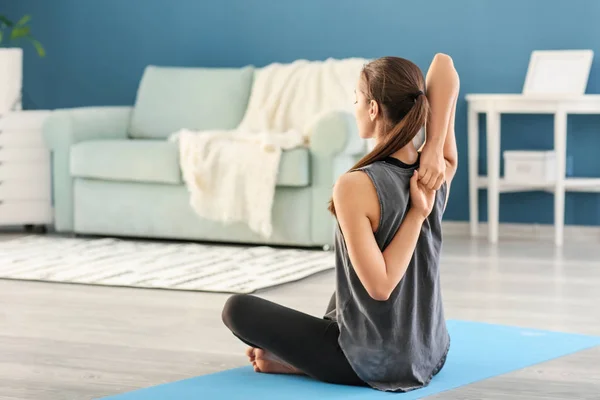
(473, 135)
(560, 147)
(493, 170)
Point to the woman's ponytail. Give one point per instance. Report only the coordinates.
(398, 136)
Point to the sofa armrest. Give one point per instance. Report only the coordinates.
(69, 126)
(334, 148)
(64, 128)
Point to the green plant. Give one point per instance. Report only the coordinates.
(12, 33)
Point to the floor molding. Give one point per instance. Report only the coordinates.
(573, 233)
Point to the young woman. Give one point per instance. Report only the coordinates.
(385, 326)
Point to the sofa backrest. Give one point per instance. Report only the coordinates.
(170, 99)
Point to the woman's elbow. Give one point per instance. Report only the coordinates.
(445, 65)
(445, 59)
(379, 294)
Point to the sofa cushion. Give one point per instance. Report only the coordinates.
(169, 99)
(157, 161)
(127, 160)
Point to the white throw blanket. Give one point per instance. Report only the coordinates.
(231, 175)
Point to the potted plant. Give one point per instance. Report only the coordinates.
(12, 34)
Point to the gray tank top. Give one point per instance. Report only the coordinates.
(398, 344)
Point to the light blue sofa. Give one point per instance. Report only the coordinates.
(115, 174)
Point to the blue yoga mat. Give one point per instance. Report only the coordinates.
(478, 351)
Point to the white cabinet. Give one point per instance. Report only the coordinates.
(25, 189)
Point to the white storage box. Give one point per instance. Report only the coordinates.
(530, 166)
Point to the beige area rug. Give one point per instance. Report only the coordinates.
(165, 265)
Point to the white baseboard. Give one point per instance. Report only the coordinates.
(572, 233)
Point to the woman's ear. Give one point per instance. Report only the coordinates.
(373, 110)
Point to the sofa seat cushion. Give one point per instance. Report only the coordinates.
(127, 160)
(157, 161)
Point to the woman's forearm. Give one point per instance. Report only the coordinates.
(399, 252)
(450, 151)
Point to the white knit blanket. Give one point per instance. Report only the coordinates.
(231, 175)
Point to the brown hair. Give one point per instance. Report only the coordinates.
(398, 86)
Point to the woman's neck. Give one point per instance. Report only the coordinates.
(408, 154)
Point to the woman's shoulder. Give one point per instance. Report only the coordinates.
(355, 189)
(372, 177)
(352, 183)
(355, 196)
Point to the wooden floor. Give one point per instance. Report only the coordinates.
(60, 341)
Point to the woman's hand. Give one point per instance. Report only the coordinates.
(432, 167)
(421, 197)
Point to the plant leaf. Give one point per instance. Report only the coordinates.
(1, 35)
(24, 20)
(20, 32)
(38, 47)
(6, 21)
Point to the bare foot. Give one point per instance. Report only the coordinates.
(250, 353)
(267, 363)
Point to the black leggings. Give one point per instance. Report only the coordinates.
(307, 343)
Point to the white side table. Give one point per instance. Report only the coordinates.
(493, 105)
(25, 189)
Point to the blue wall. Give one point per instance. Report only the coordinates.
(97, 50)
